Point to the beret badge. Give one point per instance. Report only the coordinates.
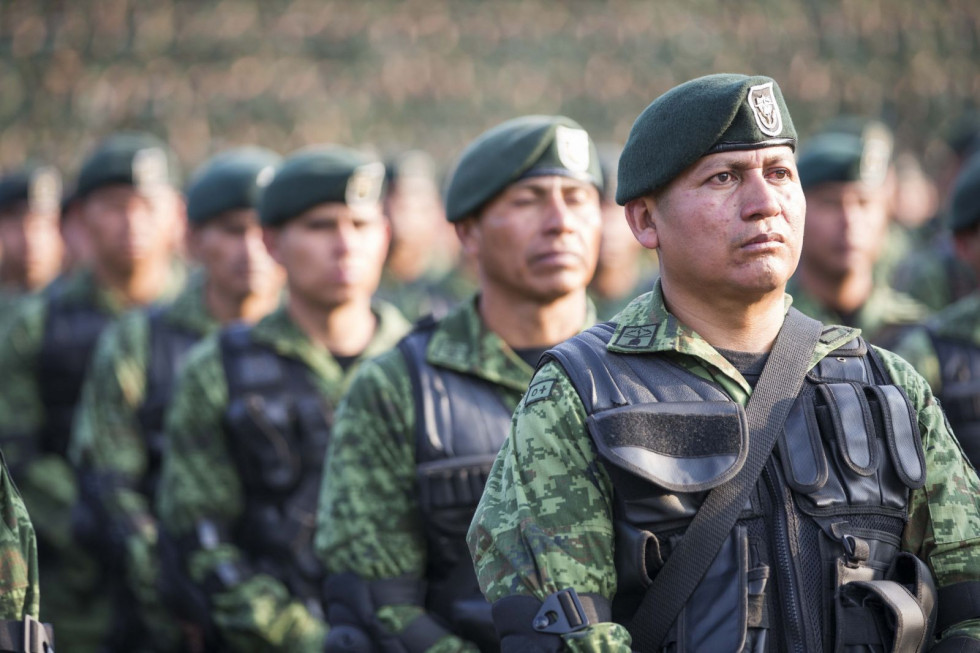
(765, 109)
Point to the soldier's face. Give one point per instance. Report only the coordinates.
(32, 247)
(127, 228)
(730, 225)
(845, 227)
(538, 239)
(230, 248)
(332, 253)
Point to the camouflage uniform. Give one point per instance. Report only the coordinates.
(434, 293)
(370, 521)
(201, 483)
(883, 319)
(545, 521)
(19, 594)
(934, 276)
(108, 441)
(69, 575)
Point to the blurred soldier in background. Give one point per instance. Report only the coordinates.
(846, 223)
(421, 424)
(252, 411)
(77, 250)
(947, 350)
(118, 439)
(422, 249)
(128, 207)
(30, 245)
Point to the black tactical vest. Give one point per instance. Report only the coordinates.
(461, 422)
(278, 426)
(168, 347)
(71, 332)
(959, 369)
(829, 507)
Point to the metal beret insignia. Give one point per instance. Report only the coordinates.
(44, 190)
(573, 148)
(364, 185)
(765, 109)
(150, 168)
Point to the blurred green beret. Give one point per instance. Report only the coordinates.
(230, 180)
(519, 148)
(965, 204)
(39, 186)
(318, 175)
(132, 158)
(716, 113)
(841, 157)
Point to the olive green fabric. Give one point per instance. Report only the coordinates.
(965, 204)
(828, 158)
(318, 175)
(711, 113)
(521, 147)
(133, 158)
(959, 321)
(19, 588)
(231, 180)
(545, 521)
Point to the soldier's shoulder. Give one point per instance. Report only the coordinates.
(905, 376)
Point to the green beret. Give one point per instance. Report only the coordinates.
(230, 180)
(318, 175)
(716, 113)
(37, 185)
(965, 202)
(841, 157)
(519, 148)
(132, 158)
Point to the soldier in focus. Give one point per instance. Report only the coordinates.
(847, 217)
(128, 206)
(601, 527)
(251, 415)
(421, 424)
(118, 439)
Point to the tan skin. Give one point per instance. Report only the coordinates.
(618, 272)
(536, 245)
(845, 229)
(130, 234)
(332, 255)
(32, 248)
(243, 281)
(729, 232)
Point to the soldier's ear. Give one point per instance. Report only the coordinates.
(468, 232)
(640, 216)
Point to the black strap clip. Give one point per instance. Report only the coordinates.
(561, 613)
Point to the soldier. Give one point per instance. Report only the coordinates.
(847, 215)
(947, 350)
(250, 419)
(421, 424)
(30, 244)
(118, 437)
(128, 206)
(637, 501)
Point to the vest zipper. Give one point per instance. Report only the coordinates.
(786, 575)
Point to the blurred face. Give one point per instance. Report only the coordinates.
(127, 229)
(415, 209)
(730, 225)
(230, 248)
(845, 227)
(618, 244)
(332, 253)
(32, 247)
(538, 239)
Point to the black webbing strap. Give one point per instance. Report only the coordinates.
(27, 636)
(958, 602)
(768, 407)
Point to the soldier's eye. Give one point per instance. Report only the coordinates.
(724, 177)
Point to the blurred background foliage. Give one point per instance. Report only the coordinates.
(433, 73)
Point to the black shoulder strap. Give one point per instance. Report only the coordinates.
(767, 409)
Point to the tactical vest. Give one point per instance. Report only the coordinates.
(959, 369)
(278, 426)
(71, 332)
(827, 513)
(168, 347)
(461, 422)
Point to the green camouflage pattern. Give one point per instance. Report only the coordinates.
(199, 479)
(934, 276)
(958, 321)
(108, 440)
(545, 520)
(19, 589)
(883, 319)
(369, 521)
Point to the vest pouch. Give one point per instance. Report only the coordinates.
(901, 429)
(264, 436)
(680, 446)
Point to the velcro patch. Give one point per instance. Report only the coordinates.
(539, 391)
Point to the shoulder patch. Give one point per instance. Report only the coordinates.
(539, 391)
(636, 337)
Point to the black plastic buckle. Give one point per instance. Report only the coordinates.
(561, 613)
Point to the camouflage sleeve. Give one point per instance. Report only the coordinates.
(916, 348)
(944, 516)
(19, 594)
(545, 520)
(199, 483)
(368, 521)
